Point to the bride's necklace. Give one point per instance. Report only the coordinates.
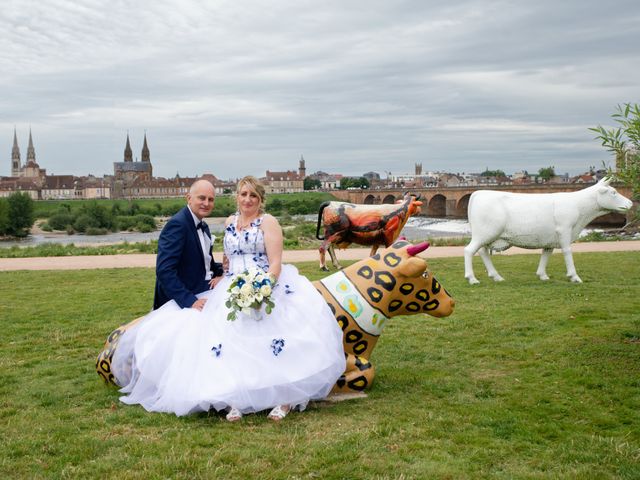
(245, 224)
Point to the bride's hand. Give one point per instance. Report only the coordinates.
(214, 281)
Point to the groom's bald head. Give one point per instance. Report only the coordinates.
(201, 197)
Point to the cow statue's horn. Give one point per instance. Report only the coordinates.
(416, 249)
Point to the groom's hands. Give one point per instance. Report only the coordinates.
(214, 281)
(199, 304)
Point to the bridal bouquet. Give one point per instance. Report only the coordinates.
(248, 293)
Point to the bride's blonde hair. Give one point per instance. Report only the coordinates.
(254, 184)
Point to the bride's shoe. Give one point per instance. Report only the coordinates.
(279, 412)
(234, 415)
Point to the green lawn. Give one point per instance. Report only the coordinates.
(525, 380)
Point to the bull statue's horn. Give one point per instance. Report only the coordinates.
(416, 249)
(418, 197)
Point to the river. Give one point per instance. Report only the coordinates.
(416, 228)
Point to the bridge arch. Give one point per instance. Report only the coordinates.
(369, 200)
(389, 199)
(462, 206)
(437, 206)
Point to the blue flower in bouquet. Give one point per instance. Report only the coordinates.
(249, 290)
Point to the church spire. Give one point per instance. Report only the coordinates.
(15, 156)
(31, 152)
(145, 157)
(302, 169)
(128, 154)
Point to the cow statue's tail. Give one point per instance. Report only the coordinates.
(322, 207)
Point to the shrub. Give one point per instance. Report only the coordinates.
(60, 220)
(171, 210)
(144, 227)
(146, 220)
(4, 216)
(21, 216)
(101, 215)
(85, 221)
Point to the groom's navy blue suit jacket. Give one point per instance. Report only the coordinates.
(180, 272)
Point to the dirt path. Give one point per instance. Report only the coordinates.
(291, 256)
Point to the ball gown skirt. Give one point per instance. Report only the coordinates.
(185, 361)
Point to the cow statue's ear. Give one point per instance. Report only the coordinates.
(413, 267)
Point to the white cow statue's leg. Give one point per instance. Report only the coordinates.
(491, 270)
(564, 239)
(469, 252)
(568, 261)
(542, 266)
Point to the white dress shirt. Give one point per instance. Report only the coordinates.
(205, 243)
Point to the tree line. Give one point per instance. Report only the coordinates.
(18, 212)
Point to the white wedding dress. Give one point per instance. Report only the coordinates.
(185, 361)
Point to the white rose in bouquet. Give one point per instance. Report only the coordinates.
(249, 290)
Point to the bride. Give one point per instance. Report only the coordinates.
(185, 360)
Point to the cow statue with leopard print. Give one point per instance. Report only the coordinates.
(366, 294)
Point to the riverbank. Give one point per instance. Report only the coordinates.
(289, 256)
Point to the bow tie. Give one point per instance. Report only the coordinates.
(202, 226)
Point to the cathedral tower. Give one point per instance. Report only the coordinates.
(31, 152)
(15, 156)
(128, 154)
(145, 157)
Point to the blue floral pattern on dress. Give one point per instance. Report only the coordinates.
(245, 248)
(277, 345)
(217, 350)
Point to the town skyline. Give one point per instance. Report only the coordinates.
(128, 144)
(230, 87)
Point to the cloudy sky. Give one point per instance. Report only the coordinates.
(240, 86)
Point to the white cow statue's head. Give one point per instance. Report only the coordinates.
(609, 199)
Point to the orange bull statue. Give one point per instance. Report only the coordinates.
(375, 225)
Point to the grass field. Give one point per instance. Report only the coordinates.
(525, 380)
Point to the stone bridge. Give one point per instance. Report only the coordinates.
(453, 201)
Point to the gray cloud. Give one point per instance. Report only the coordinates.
(238, 87)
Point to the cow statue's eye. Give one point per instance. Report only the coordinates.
(425, 274)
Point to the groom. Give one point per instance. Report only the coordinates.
(185, 266)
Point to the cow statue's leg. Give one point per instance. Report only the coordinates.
(469, 251)
(491, 270)
(565, 245)
(323, 251)
(357, 376)
(334, 259)
(542, 266)
(374, 249)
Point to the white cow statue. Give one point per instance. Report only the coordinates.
(500, 220)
